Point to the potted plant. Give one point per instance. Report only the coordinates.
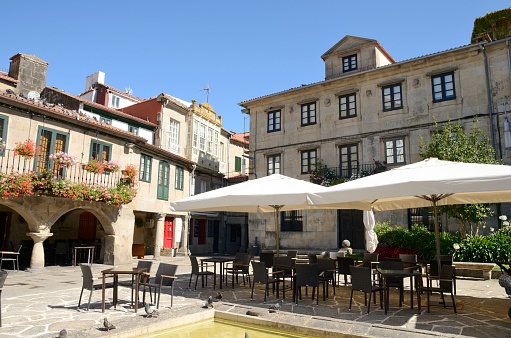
(130, 171)
(26, 149)
(94, 166)
(62, 159)
(111, 166)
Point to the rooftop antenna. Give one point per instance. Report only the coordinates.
(207, 90)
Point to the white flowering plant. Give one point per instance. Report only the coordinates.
(63, 159)
(111, 166)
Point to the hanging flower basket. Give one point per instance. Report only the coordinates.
(25, 149)
(130, 171)
(62, 159)
(111, 166)
(94, 166)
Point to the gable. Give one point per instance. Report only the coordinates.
(347, 44)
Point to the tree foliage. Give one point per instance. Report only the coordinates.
(451, 143)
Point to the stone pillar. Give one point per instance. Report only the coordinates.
(158, 236)
(109, 247)
(37, 259)
(244, 238)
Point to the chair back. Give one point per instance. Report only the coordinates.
(266, 258)
(292, 253)
(446, 277)
(326, 264)
(433, 266)
(307, 275)
(245, 261)
(239, 258)
(3, 277)
(18, 248)
(166, 270)
(368, 258)
(313, 258)
(285, 264)
(87, 278)
(344, 263)
(195, 265)
(260, 272)
(361, 278)
(392, 265)
(408, 260)
(144, 265)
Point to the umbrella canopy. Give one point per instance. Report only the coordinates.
(272, 193)
(431, 182)
(370, 235)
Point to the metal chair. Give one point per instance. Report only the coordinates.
(361, 280)
(88, 283)
(241, 265)
(131, 283)
(327, 273)
(307, 275)
(164, 279)
(263, 276)
(394, 282)
(3, 277)
(445, 285)
(12, 257)
(267, 258)
(343, 267)
(199, 271)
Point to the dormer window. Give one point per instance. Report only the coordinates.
(349, 63)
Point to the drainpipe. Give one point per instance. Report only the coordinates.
(490, 102)
(188, 216)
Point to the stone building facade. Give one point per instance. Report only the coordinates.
(371, 110)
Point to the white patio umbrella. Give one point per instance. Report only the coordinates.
(428, 183)
(270, 193)
(370, 235)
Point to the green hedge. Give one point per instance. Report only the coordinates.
(393, 240)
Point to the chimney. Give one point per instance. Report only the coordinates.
(30, 71)
(91, 80)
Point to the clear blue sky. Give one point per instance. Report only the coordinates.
(241, 49)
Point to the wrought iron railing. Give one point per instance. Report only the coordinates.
(9, 163)
(361, 170)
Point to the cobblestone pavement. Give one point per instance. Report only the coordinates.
(39, 303)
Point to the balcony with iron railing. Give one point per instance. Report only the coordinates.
(327, 176)
(41, 164)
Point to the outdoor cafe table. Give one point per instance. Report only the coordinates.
(413, 274)
(115, 272)
(221, 262)
(90, 253)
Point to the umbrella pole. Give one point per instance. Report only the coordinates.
(276, 209)
(437, 233)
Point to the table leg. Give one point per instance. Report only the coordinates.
(214, 277)
(74, 258)
(137, 278)
(385, 294)
(411, 292)
(116, 279)
(221, 274)
(103, 295)
(418, 286)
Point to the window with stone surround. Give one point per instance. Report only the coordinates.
(443, 87)
(273, 121)
(349, 63)
(308, 113)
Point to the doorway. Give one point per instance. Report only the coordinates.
(350, 226)
(168, 232)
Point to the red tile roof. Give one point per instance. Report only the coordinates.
(107, 109)
(6, 77)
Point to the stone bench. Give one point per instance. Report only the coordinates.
(475, 270)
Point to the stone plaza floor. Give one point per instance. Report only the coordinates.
(40, 303)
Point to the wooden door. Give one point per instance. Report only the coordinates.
(87, 227)
(168, 233)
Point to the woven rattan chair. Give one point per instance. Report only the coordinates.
(361, 280)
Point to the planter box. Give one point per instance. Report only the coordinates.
(475, 270)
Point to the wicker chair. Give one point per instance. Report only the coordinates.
(361, 280)
(261, 275)
(164, 279)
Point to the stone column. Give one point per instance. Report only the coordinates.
(37, 259)
(158, 236)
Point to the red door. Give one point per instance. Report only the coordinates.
(168, 232)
